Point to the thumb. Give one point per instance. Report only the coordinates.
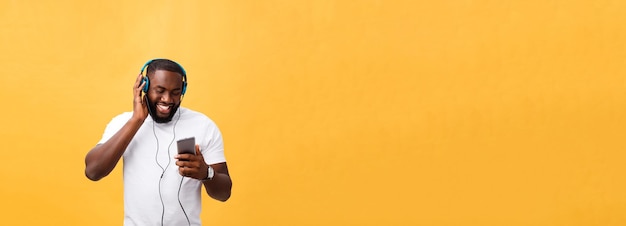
(198, 153)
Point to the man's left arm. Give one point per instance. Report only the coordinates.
(220, 185)
(217, 187)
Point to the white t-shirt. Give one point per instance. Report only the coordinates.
(148, 198)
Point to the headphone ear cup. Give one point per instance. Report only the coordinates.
(184, 88)
(147, 82)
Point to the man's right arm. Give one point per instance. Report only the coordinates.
(101, 159)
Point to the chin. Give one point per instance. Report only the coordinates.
(168, 118)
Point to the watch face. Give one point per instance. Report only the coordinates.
(210, 172)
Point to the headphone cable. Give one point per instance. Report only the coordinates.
(169, 161)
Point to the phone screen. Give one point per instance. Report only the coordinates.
(187, 146)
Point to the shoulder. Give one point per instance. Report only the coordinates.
(121, 118)
(191, 115)
(125, 116)
(199, 121)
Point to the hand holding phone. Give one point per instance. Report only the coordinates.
(187, 146)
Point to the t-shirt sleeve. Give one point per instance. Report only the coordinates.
(114, 125)
(214, 151)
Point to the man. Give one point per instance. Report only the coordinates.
(157, 192)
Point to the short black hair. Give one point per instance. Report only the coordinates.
(165, 64)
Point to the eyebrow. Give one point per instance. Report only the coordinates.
(161, 87)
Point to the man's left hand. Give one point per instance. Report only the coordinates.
(192, 166)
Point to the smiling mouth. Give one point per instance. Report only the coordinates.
(164, 108)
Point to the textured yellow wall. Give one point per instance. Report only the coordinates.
(333, 112)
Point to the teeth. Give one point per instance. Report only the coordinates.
(164, 107)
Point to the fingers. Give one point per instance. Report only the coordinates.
(140, 109)
(189, 165)
(188, 161)
(188, 171)
(182, 172)
(183, 162)
(185, 157)
(183, 168)
(137, 90)
(190, 157)
(139, 84)
(138, 80)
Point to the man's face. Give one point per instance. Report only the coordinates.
(164, 95)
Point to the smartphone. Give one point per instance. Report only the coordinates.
(187, 146)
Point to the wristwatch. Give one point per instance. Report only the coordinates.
(210, 174)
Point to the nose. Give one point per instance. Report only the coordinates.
(166, 97)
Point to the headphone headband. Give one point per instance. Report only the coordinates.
(147, 81)
(150, 61)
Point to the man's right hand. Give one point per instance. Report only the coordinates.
(140, 106)
(101, 159)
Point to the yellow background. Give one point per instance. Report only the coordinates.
(453, 112)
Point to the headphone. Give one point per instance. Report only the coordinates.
(146, 80)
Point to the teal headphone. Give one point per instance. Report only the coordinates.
(146, 80)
